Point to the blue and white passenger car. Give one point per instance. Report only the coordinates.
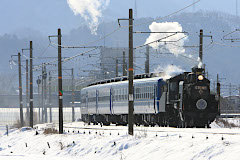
(108, 102)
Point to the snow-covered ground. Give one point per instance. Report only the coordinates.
(113, 143)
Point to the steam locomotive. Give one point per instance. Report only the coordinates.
(184, 100)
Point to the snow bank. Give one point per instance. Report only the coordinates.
(112, 143)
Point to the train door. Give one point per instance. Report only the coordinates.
(161, 96)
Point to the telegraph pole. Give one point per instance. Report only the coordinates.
(45, 93)
(31, 86)
(201, 46)
(20, 89)
(238, 95)
(39, 106)
(124, 65)
(73, 112)
(147, 60)
(130, 78)
(116, 67)
(42, 96)
(218, 93)
(50, 95)
(230, 95)
(27, 98)
(60, 91)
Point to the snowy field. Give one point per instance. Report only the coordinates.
(91, 142)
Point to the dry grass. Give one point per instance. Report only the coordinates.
(50, 131)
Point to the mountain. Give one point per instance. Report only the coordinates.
(219, 59)
(47, 15)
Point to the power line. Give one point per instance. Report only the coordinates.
(221, 44)
(119, 27)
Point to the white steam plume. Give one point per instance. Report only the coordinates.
(169, 71)
(200, 64)
(90, 10)
(167, 27)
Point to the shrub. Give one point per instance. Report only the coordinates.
(50, 131)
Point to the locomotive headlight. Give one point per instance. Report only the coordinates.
(200, 77)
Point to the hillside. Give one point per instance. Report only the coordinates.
(222, 60)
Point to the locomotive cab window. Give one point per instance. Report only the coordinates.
(173, 86)
(173, 91)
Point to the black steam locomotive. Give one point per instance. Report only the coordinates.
(190, 102)
(180, 101)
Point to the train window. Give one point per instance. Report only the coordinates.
(151, 96)
(126, 93)
(119, 95)
(173, 86)
(122, 93)
(140, 93)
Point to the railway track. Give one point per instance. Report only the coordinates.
(225, 131)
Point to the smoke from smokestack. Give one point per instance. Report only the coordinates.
(167, 27)
(169, 71)
(90, 10)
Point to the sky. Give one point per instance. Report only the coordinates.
(47, 15)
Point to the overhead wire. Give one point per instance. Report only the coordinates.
(119, 27)
(221, 44)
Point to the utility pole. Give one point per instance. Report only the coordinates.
(50, 95)
(130, 78)
(20, 89)
(116, 67)
(218, 93)
(27, 98)
(73, 112)
(60, 91)
(31, 86)
(238, 96)
(39, 106)
(147, 60)
(45, 93)
(201, 46)
(42, 95)
(124, 65)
